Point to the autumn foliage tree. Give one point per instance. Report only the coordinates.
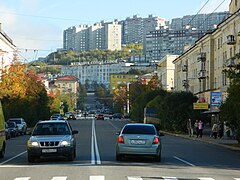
(23, 94)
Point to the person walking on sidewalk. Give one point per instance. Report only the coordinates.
(200, 128)
(189, 128)
(196, 128)
(215, 130)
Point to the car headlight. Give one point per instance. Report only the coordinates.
(65, 143)
(33, 144)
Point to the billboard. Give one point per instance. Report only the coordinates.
(200, 106)
(216, 98)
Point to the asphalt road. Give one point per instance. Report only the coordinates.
(181, 159)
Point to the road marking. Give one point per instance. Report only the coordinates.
(204, 178)
(59, 178)
(22, 178)
(13, 158)
(183, 161)
(95, 156)
(96, 178)
(113, 125)
(134, 178)
(237, 178)
(169, 178)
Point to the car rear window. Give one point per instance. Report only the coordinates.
(139, 130)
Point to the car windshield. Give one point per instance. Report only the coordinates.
(11, 125)
(16, 121)
(139, 130)
(51, 129)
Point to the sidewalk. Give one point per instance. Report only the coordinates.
(223, 142)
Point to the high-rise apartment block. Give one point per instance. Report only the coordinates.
(98, 36)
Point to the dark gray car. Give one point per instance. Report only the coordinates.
(52, 138)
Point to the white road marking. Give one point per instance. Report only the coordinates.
(95, 156)
(22, 178)
(113, 125)
(59, 178)
(205, 178)
(169, 178)
(188, 163)
(134, 178)
(13, 158)
(236, 178)
(96, 178)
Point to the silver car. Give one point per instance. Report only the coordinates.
(138, 139)
(52, 138)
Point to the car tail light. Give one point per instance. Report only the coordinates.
(120, 139)
(155, 140)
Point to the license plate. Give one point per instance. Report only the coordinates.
(49, 150)
(138, 141)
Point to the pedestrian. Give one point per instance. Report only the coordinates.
(196, 128)
(220, 130)
(215, 130)
(189, 128)
(200, 128)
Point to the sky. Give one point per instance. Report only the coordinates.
(36, 26)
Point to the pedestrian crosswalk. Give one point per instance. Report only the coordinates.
(100, 177)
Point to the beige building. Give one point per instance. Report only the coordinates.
(166, 72)
(200, 69)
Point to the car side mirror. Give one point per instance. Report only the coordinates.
(118, 133)
(74, 132)
(160, 133)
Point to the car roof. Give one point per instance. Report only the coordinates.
(139, 124)
(15, 119)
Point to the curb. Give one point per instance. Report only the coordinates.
(203, 140)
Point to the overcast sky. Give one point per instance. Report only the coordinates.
(36, 26)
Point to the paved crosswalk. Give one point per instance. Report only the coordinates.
(126, 178)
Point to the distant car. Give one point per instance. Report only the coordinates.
(7, 131)
(22, 125)
(138, 139)
(71, 117)
(52, 138)
(57, 117)
(117, 116)
(99, 116)
(12, 126)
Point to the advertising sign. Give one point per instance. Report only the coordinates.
(200, 106)
(216, 98)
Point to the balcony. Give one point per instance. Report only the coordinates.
(230, 63)
(231, 40)
(201, 57)
(184, 68)
(202, 74)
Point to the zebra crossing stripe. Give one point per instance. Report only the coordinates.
(59, 178)
(169, 178)
(205, 178)
(134, 178)
(22, 178)
(237, 178)
(97, 178)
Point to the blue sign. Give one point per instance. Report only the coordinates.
(216, 98)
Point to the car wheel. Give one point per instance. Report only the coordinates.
(70, 157)
(31, 159)
(158, 157)
(75, 154)
(2, 152)
(119, 157)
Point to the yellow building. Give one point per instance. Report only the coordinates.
(117, 79)
(200, 68)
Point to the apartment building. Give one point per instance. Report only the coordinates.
(103, 35)
(7, 50)
(200, 69)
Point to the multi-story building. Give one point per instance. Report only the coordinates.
(200, 69)
(199, 21)
(7, 50)
(165, 72)
(103, 35)
(121, 78)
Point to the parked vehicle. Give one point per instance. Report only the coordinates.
(2, 133)
(57, 117)
(12, 126)
(52, 138)
(117, 116)
(72, 117)
(99, 116)
(138, 139)
(7, 131)
(22, 125)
